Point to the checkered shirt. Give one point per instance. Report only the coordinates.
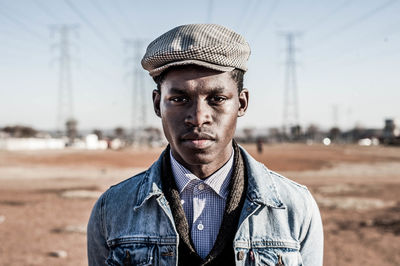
(203, 202)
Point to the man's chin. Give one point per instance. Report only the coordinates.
(197, 157)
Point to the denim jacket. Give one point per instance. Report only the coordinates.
(280, 224)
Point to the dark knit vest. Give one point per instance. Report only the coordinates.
(222, 252)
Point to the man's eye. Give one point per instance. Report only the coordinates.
(218, 99)
(179, 99)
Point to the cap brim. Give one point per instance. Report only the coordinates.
(157, 71)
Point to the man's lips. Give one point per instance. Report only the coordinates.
(197, 140)
(197, 136)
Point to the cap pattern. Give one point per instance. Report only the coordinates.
(209, 45)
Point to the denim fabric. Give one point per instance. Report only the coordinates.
(280, 224)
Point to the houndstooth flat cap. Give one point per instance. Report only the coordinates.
(209, 45)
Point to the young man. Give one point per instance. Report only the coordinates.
(206, 201)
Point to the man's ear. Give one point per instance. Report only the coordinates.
(156, 102)
(243, 102)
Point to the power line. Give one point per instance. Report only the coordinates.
(366, 15)
(363, 44)
(255, 8)
(21, 24)
(97, 33)
(356, 21)
(320, 21)
(379, 54)
(45, 10)
(87, 22)
(19, 44)
(114, 28)
(14, 43)
(126, 18)
(268, 14)
(247, 5)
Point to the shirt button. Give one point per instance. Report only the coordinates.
(200, 227)
(201, 186)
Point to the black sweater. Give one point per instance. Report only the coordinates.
(222, 252)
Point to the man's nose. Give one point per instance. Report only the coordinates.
(198, 114)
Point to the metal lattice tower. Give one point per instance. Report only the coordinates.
(65, 105)
(290, 100)
(139, 96)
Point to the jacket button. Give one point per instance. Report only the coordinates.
(240, 255)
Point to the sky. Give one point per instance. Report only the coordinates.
(347, 58)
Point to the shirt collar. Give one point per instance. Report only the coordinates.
(218, 181)
(261, 187)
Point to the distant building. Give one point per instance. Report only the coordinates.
(391, 132)
(14, 144)
(391, 129)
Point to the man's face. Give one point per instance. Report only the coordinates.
(199, 109)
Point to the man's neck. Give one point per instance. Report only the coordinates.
(203, 171)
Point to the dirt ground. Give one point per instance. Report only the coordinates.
(46, 198)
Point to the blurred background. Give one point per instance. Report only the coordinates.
(76, 113)
(315, 65)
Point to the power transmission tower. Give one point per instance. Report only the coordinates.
(290, 99)
(335, 115)
(65, 106)
(210, 8)
(139, 96)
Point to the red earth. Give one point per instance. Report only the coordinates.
(46, 198)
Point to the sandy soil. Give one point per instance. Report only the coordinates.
(46, 198)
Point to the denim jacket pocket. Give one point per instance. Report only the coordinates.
(131, 254)
(270, 253)
(141, 251)
(278, 256)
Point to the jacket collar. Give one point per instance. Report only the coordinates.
(151, 183)
(261, 187)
